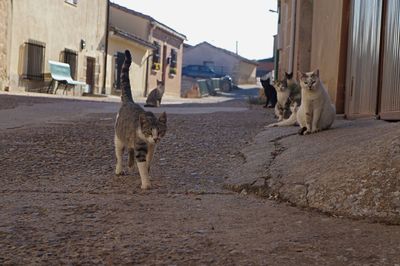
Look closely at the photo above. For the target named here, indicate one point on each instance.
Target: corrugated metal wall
(363, 57)
(390, 97)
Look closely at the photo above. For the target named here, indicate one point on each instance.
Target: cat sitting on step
(289, 99)
(282, 95)
(291, 121)
(155, 96)
(316, 112)
(136, 130)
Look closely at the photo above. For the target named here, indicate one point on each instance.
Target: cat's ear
(163, 118)
(300, 75)
(316, 73)
(289, 75)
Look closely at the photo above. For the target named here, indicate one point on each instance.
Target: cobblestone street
(62, 204)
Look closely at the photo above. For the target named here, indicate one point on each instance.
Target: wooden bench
(61, 72)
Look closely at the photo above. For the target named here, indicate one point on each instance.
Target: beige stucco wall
(285, 32)
(59, 25)
(303, 35)
(319, 42)
(137, 73)
(5, 7)
(326, 38)
(247, 73)
(128, 22)
(203, 52)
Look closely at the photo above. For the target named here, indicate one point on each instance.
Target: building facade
(265, 66)
(71, 31)
(5, 9)
(155, 47)
(354, 44)
(242, 70)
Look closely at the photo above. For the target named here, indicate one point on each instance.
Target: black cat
(270, 93)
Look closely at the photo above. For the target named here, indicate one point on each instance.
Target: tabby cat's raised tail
(126, 95)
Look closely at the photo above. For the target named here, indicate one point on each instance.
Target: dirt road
(61, 203)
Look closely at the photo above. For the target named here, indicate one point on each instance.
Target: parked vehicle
(199, 71)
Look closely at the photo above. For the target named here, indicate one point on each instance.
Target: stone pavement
(351, 170)
(74, 107)
(243, 92)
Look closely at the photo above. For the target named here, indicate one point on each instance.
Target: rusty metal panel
(363, 57)
(390, 96)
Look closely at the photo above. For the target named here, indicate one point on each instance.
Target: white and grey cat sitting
(316, 112)
(155, 96)
(291, 120)
(282, 95)
(136, 130)
(289, 100)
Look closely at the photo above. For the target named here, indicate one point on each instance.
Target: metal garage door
(363, 57)
(390, 94)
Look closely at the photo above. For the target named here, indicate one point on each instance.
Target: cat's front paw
(302, 130)
(316, 130)
(146, 186)
(119, 171)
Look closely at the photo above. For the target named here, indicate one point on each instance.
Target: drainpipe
(292, 36)
(103, 90)
(146, 85)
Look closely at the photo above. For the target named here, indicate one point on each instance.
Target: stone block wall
(4, 10)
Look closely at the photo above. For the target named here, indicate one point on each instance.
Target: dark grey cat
(155, 96)
(136, 130)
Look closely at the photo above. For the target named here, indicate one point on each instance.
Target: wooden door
(164, 64)
(90, 67)
(119, 61)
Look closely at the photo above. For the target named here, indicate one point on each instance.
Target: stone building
(5, 6)
(265, 66)
(354, 44)
(156, 50)
(242, 70)
(71, 31)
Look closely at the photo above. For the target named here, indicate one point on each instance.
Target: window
(156, 57)
(34, 60)
(72, 2)
(173, 63)
(71, 58)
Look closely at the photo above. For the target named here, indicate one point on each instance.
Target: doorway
(90, 67)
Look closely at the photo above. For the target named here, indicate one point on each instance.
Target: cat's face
(153, 129)
(279, 86)
(159, 83)
(309, 80)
